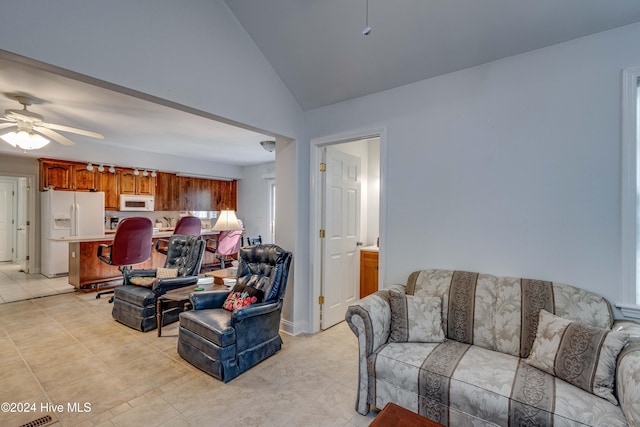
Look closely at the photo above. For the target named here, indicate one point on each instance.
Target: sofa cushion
(460, 384)
(580, 354)
(414, 318)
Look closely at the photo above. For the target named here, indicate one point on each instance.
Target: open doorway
(346, 212)
(14, 221)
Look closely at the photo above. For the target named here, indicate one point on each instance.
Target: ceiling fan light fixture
(136, 172)
(112, 169)
(145, 173)
(101, 168)
(153, 174)
(25, 140)
(89, 167)
(268, 145)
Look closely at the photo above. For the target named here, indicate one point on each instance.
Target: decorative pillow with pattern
(146, 282)
(166, 273)
(242, 296)
(414, 318)
(577, 353)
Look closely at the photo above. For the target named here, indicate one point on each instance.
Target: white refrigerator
(67, 214)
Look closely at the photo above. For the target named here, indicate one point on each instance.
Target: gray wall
(512, 167)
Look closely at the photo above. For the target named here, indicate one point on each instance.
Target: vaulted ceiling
(318, 49)
(319, 52)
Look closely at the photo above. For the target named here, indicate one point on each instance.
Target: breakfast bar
(88, 273)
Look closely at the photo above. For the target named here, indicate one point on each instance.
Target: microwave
(132, 202)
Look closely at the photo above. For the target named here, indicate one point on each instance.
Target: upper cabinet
(177, 193)
(108, 183)
(55, 175)
(172, 192)
(130, 183)
(82, 179)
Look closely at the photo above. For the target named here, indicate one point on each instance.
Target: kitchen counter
(372, 248)
(109, 236)
(88, 273)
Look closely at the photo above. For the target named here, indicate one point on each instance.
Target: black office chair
(131, 245)
(252, 241)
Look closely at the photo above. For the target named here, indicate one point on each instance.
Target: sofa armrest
(628, 382)
(370, 320)
(204, 300)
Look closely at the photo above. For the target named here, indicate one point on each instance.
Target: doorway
(17, 210)
(348, 215)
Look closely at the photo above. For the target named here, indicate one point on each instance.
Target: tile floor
(67, 350)
(16, 285)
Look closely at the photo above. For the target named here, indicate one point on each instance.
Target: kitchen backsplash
(166, 218)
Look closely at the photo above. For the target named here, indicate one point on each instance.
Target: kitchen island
(88, 273)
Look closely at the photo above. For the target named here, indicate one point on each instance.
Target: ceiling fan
(30, 124)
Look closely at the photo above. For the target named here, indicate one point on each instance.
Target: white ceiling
(125, 120)
(319, 52)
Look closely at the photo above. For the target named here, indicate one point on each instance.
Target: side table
(177, 298)
(218, 275)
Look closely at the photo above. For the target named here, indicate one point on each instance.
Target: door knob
(359, 243)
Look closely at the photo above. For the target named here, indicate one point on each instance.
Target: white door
(22, 248)
(342, 234)
(7, 192)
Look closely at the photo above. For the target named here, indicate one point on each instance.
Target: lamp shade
(227, 221)
(24, 140)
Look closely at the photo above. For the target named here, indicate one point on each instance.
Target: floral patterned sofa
(475, 349)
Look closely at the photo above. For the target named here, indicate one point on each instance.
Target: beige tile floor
(16, 285)
(67, 350)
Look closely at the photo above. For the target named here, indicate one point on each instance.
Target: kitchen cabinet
(55, 175)
(83, 179)
(368, 272)
(177, 193)
(172, 192)
(108, 183)
(130, 183)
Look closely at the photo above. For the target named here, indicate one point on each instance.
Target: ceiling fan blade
(72, 130)
(7, 125)
(53, 135)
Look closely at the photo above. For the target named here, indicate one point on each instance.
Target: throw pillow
(242, 296)
(414, 318)
(166, 273)
(577, 353)
(146, 282)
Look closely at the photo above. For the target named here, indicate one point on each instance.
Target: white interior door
(7, 192)
(342, 234)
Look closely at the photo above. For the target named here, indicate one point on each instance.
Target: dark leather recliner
(135, 305)
(226, 343)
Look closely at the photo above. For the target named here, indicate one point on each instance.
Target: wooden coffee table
(177, 298)
(396, 416)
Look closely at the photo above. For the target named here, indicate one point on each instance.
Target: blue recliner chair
(225, 343)
(135, 305)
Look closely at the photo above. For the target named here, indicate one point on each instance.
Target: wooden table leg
(159, 315)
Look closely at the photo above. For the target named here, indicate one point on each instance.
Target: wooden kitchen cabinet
(368, 272)
(108, 183)
(82, 179)
(130, 183)
(56, 175)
